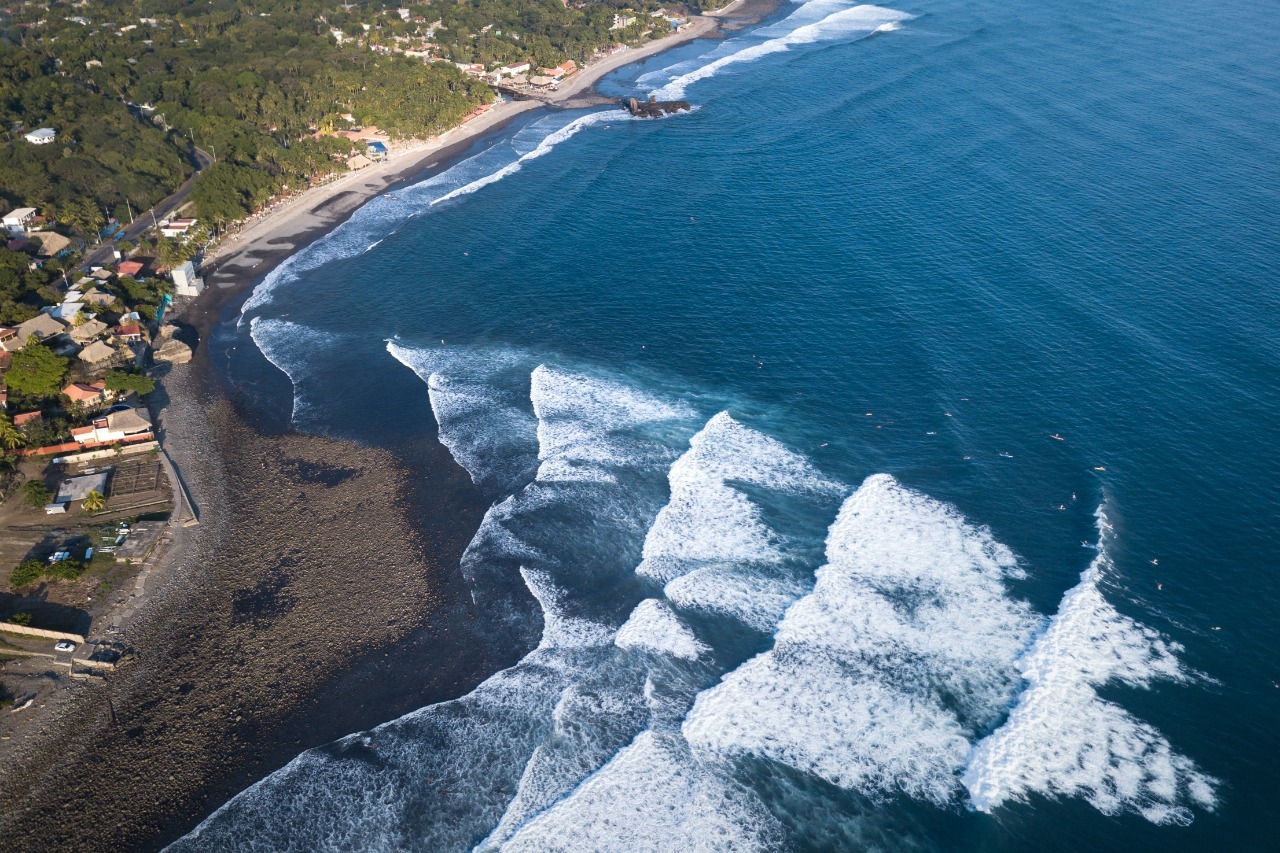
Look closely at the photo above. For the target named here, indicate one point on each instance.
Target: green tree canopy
(119, 380)
(36, 371)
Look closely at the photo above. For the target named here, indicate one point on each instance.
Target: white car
(65, 646)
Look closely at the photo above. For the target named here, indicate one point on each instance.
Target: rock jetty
(653, 108)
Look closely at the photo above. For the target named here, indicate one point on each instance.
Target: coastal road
(103, 254)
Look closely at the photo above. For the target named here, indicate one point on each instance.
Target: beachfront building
(124, 425)
(17, 221)
(185, 280)
(43, 136)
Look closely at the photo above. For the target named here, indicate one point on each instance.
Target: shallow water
(765, 398)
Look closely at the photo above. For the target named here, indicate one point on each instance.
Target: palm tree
(94, 501)
(10, 438)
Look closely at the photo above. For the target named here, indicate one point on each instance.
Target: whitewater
(903, 665)
(715, 515)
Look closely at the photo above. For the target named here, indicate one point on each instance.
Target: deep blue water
(897, 252)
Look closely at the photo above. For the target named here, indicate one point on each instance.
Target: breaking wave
(817, 21)
(1064, 740)
(697, 626)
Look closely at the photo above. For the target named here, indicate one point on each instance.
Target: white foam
(903, 650)
(654, 626)
(1063, 740)
(709, 520)
(653, 796)
(381, 216)
(745, 593)
(560, 631)
(291, 348)
(481, 414)
(587, 425)
(543, 148)
(842, 24)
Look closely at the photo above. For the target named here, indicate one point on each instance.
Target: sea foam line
(861, 21)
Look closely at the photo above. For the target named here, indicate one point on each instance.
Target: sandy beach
(320, 594)
(291, 224)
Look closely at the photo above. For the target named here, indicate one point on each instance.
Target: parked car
(65, 646)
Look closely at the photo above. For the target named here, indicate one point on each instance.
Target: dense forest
(132, 86)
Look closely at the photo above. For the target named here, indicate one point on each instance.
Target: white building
(117, 426)
(186, 282)
(43, 136)
(16, 222)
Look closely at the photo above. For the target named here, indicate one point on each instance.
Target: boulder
(173, 351)
(166, 331)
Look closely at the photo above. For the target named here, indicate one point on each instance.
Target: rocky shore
(320, 595)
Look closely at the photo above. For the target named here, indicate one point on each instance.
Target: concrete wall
(10, 628)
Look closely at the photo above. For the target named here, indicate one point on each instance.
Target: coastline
(224, 689)
(269, 238)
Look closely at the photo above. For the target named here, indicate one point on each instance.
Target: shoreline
(270, 238)
(222, 691)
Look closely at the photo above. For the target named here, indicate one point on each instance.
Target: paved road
(103, 254)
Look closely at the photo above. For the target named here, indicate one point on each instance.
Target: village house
(99, 297)
(88, 395)
(51, 243)
(68, 309)
(133, 269)
(43, 136)
(177, 227)
(97, 354)
(124, 425)
(17, 221)
(26, 418)
(129, 333)
(9, 339)
(86, 332)
(42, 326)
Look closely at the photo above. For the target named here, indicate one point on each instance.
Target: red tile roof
(129, 267)
(80, 392)
(26, 418)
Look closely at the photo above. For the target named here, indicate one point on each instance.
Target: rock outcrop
(172, 351)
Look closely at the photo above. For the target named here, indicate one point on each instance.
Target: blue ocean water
(882, 455)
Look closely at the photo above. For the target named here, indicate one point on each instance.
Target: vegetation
(20, 286)
(36, 371)
(22, 617)
(30, 571)
(36, 494)
(132, 87)
(27, 573)
(94, 501)
(10, 438)
(119, 380)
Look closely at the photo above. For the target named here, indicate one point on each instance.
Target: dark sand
(320, 595)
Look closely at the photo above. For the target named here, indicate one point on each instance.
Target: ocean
(881, 455)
